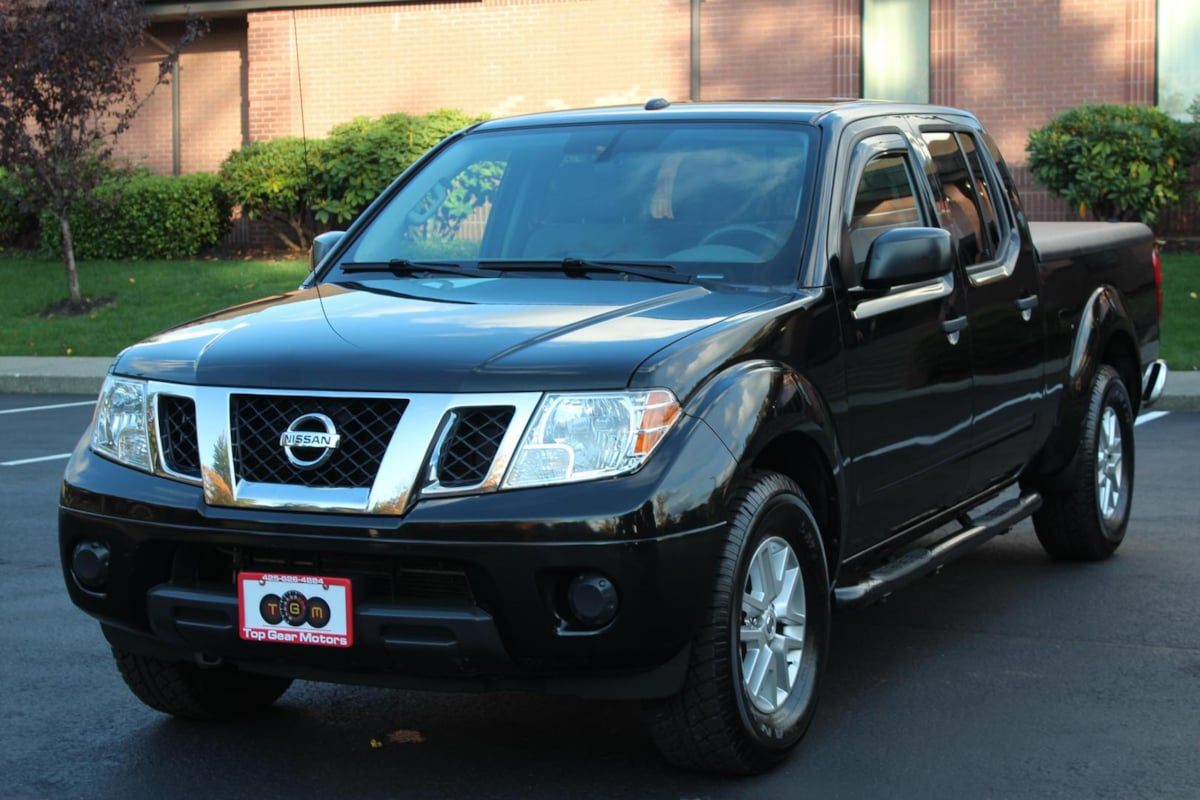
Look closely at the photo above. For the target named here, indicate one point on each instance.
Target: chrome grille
(471, 445)
(365, 425)
(177, 432)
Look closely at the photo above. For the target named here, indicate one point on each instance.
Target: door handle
(954, 328)
(1026, 305)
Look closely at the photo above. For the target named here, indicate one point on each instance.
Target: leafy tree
(1120, 162)
(68, 89)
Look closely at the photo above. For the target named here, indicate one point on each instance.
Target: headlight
(121, 427)
(578, 437)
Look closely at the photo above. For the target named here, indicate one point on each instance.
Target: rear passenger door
(908, 378)
(1005, 318)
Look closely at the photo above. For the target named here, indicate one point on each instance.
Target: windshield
(719, 201)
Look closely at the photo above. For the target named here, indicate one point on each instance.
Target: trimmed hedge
(1121, 162)
(361, 157)
(271, 182)
(142, 215)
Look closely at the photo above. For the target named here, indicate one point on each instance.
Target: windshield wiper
(402, 266)
(579, 266)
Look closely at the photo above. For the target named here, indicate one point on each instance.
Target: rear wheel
(1085, 513)
(751, 687)
(186, 690)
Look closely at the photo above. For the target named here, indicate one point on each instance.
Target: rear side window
(979, 175)
(1009, 185)
(957, 199)
(883, 200)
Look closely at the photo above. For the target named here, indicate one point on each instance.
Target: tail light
(1156, 260)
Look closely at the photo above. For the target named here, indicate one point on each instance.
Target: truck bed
(1059, 240)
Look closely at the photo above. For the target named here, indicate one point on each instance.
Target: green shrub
(270, 181)
(16, 223)
(141, 215)
(1117, 161)
(361, 157)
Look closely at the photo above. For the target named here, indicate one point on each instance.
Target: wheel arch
(772, 417)
(1105, 334)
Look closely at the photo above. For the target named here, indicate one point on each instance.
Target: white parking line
(21, 461)
(47, 408)
(1150, 416)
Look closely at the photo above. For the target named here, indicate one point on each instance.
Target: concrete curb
(68, 375)
(52, 375)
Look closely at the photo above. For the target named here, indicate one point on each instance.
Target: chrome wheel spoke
(1110, 470)
(771, 632)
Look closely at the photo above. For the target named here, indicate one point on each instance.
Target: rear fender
(1104, 317)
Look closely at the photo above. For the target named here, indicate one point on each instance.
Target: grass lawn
(150, 296)
(1181, 311)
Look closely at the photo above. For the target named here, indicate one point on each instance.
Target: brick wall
(213, 113)
(1019, 63)
(498, 57)
(1015, 63)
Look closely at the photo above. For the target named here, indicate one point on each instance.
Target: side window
(883, 200)
(979, 174)
(957, 200)
(1009, 185)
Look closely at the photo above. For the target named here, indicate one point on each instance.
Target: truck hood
(438, 335)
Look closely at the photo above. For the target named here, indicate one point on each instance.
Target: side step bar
(911, 565)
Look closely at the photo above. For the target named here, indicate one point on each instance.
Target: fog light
(89, 564)
(593, 599)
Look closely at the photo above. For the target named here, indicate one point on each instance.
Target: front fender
(760, 404)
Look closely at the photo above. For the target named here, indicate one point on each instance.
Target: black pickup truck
(619, 403)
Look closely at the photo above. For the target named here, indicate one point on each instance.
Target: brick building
(269, 69)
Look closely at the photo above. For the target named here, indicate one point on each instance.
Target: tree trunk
(68, 251)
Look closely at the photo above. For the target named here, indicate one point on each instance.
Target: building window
(1178, 56)
(895, 50)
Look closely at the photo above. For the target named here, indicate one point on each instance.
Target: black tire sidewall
(781, 729)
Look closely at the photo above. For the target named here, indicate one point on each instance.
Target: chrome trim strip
(903, 298)
(998, 270)
(403, 473)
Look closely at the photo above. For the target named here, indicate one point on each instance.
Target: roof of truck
(802, 111)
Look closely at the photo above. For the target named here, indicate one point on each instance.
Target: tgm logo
(310, 440)
(295, 609)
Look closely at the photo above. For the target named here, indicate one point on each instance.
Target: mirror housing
(321, 245)
(908, 255)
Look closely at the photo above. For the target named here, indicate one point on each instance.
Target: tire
(186, 690)
(714, 724)
(1071, 524)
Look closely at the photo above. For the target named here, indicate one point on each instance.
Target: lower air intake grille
(471, 445)
(365, 427)
(177, 429)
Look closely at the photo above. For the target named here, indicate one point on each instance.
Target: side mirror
(321, 245)
(908, 255)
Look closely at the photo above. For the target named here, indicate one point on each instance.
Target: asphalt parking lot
(1006, 675)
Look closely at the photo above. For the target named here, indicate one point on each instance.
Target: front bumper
(497, 621)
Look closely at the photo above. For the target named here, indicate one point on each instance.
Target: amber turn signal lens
(658, 415)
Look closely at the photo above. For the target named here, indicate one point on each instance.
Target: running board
(908, 567)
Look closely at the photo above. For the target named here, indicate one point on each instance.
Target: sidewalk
(65, 375)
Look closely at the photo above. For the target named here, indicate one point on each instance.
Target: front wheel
(1084, 517)
(756, 663)
(186, 690)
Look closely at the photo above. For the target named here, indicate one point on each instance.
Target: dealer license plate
(294, 609)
